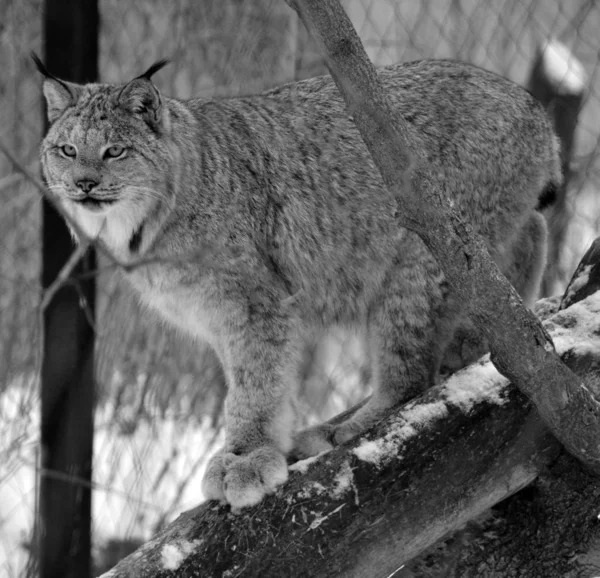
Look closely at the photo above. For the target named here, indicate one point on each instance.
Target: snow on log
(369, 506)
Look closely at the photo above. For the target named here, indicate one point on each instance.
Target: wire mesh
(159, 397)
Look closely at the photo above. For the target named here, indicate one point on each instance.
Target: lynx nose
(86, 185)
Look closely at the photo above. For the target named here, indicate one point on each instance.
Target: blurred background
(158, 397)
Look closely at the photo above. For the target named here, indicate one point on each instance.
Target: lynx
(260, 222)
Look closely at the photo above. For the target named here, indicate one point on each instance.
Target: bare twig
(64, 274)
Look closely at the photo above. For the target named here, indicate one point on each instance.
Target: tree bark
(67, 377)
(520, 348)
(550, 529)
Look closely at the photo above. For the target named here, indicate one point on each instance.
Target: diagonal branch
(521, 348)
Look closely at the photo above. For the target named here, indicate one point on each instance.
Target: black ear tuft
(59, 94)
(40, 65)
(42, 68)
(154, 68)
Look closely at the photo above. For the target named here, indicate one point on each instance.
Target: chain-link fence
(159, 397)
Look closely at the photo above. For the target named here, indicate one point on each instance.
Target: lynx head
(106, 152)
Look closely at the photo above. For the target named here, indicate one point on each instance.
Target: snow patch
(474, 384)
(420, 414)
(463, 390)
(343, 481)
(410, 420)
(373, 451)
(172, 555)
(562, 68)
(576, 329)
(312, 489)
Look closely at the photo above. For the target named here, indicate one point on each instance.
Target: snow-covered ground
(144, 476)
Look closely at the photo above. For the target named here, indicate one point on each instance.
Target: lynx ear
(59, 94)
(141, 98)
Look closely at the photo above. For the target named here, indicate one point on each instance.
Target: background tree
(64, 533)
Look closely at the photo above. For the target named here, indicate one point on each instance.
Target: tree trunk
(71, 53)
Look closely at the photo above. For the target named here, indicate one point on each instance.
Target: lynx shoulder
(261, 222)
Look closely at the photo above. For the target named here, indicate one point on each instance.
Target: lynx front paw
(244, 480)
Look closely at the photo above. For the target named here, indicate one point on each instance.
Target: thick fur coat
(261, 222)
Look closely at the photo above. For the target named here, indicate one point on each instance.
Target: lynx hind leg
(411, 328)
(354, 351)
(527, 259)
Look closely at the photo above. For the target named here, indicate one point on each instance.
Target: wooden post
(71, 53)
(558, 81)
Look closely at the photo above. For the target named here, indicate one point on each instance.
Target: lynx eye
(114, 152)
(68, 151)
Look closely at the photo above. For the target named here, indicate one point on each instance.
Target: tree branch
(520, 347)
